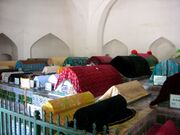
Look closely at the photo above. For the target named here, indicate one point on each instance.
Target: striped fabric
(166, 68)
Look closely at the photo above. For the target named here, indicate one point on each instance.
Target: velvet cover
(98, 60)
(96, 79)
(107, 112)
(131, 66)
(170, 86)
(75, 61)
(151, 59)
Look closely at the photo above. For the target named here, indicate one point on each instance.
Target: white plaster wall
(24, 22)
(11, 22)
(47, 16)
(115, 48)
(7, 48)
(98, 12)
(138, 23)
(76, 22)
(79, 14)
(84, 26)
(5, 57)
(49, 46)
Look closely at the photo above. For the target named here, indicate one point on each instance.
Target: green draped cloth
(75, 61)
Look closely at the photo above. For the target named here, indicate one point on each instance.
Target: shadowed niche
(49, 46)
(8, 49)
(162, 48)
(115, 48)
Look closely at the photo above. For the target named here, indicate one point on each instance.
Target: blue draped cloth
(166, 68)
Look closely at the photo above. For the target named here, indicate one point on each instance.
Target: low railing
(16, 120)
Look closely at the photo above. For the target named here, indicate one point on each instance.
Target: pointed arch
(4, 56)
(8, 49)
(162, 48)
(48, 46)
(96, 28)
(115, 48)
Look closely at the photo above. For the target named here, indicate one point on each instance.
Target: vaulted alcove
(115, 48)
(5, 57)
(8, 49)
(48, 46)
(162, 48)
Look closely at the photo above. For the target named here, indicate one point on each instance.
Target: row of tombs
(115, 92)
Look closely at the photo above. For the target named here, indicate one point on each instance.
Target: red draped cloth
(98, 60)
(96, 79)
